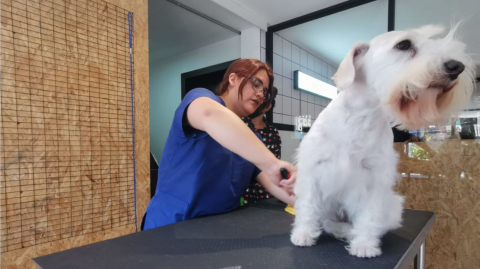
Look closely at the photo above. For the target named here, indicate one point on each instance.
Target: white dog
(346, 164)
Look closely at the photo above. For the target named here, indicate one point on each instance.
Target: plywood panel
(67, 163)
(444, 177)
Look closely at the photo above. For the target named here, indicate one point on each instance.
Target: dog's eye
(404, 45)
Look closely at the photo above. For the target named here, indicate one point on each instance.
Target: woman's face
(251, 98)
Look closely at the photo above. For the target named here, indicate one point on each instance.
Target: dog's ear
(346, 71)
(430, 30)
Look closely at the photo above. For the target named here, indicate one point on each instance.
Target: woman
(210, 155)
(257, 122)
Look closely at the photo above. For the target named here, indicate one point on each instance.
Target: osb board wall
(66, 162)
(446, 181)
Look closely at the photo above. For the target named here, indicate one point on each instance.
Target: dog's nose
(453, 69)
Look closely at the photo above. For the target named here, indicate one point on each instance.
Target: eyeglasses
(258, 88)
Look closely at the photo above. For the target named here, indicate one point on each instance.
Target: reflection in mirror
(316, 48)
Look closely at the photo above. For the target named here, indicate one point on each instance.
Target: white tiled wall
(287, 58)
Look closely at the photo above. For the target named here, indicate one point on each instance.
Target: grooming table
(257, 236)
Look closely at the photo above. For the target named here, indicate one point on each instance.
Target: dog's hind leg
(374, 216)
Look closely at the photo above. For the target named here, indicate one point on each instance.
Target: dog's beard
(417, 107)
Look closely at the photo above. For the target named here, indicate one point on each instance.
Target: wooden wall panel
(444, 177)
(66, 135)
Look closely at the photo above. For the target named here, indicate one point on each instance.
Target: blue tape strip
(130, 37)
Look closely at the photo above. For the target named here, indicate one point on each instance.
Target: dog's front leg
(308, 217)
(366, 233)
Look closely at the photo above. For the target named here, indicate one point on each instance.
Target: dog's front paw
(302, 238)
(364, 250)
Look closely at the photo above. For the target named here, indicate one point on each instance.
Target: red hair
(245, 68)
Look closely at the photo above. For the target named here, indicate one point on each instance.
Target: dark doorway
(208, 77)
(153, 175)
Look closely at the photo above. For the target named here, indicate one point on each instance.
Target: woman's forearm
(230, 131)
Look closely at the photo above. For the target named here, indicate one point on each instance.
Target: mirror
(316, 48)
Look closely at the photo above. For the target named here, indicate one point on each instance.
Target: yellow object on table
(290, 209)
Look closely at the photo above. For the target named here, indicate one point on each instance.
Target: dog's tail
(341, 230)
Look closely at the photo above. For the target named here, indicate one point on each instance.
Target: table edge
(409, 255)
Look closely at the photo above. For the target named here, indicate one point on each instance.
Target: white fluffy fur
(346, 163)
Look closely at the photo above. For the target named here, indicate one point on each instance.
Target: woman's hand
(277, 191)
(288, 185)
(275, 175)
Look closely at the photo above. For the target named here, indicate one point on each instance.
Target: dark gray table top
(257, 236)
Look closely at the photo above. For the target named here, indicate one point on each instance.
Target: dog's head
(421, 80)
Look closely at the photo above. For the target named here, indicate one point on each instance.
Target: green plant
(419, 153)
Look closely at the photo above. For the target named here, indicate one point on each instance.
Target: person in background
(258, 123)
(403, 136)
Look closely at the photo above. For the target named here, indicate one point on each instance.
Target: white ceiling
(277, 11)
(215, 11)
(174, 30)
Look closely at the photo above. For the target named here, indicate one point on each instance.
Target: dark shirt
(400, 135)
(271, 139)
